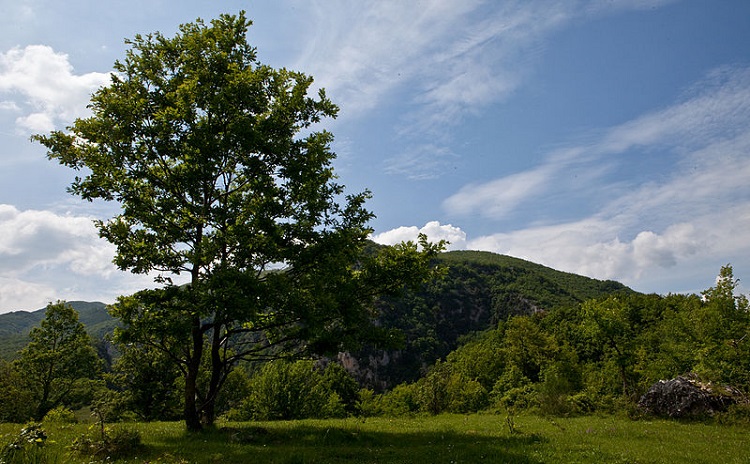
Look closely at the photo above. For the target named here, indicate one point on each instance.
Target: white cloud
(433, 230)
(42, 83)
(649, 261)
(17, 12)
(425, 161)
(18, 294)
(366, 51)
(46, 256)
(716, 107)
(32, 239)
(684, 253)
(9, 106)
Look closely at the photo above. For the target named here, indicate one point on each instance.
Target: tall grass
(439, 439)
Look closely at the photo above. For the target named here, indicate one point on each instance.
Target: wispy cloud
(456, 59)
(422, 161)
(42, 85)
(699, 132)
(498, 197)
(15, 12)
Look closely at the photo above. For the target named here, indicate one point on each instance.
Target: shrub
(736, 414)
(368, 404)
(553, 392)
(112, 443)
(285, 390)
(60, 415)
(403, 399)
(465, 395)
(518, 398)
(16, 400)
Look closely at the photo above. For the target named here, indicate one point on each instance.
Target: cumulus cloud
(648, 261)
(46, 256)
(19, 294)
(433, 230)
(42, 85)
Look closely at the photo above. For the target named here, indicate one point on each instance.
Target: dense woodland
(493, 334)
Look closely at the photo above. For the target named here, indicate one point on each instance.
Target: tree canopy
(222, 177)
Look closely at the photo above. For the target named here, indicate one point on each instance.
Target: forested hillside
(479, 290)
(603, 354)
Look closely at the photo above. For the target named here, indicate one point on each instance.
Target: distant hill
(15, 326)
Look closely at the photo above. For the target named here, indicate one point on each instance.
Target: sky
(608, 138)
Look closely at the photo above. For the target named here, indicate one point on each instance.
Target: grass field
(440, 439)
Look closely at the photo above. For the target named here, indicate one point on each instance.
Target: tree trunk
(192, 413)
(217, 377)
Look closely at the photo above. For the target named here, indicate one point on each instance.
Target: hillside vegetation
(496, 334)
(479, 290)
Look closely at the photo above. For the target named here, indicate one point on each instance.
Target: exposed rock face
(685, 397)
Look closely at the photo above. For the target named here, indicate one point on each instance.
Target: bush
(112, 443)
(518, 398)
(553, 392)
(403, 399)
(60, 415)
(16, 400)
(736, 414)
(465, 396)
(285, 390)
(337, 379)
(368, 404)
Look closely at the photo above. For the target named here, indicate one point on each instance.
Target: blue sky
(605, 138)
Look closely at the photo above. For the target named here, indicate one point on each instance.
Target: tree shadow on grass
(320, 444)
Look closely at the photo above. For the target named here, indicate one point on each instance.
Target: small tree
(722, 332)
(16, 401)
(59, 360)
(612, 327)
(221, 177)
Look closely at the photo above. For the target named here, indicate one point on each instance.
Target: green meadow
(421, 439)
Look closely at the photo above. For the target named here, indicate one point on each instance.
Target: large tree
(59, 360)
(221, 176)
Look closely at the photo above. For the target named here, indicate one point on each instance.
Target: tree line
(597, 356)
